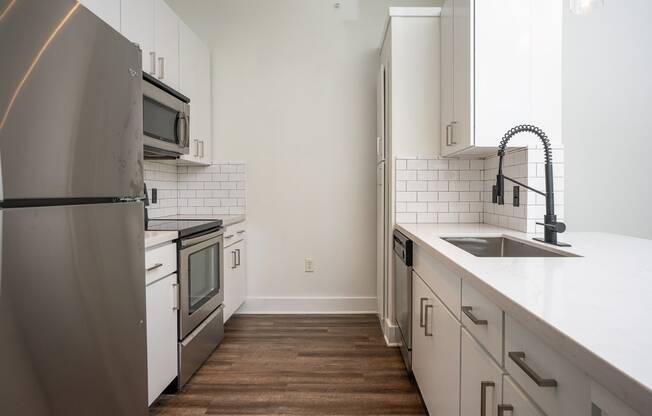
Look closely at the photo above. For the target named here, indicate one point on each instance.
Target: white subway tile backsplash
(417, 164)
(218, 189)
(460, 190)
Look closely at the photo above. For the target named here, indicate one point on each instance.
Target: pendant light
(585, 6)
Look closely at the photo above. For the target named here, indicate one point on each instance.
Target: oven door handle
(192, 241)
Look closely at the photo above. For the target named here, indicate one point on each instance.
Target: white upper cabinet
(166, 44)
(501, 67)
(107, 10)
(195, 82)
(138, 27)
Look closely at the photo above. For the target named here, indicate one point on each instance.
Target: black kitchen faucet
(551, 226)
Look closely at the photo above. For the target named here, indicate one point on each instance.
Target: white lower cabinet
(161, 300)
(435, 351)
(482, 380)
(515, 402)
(235, 270)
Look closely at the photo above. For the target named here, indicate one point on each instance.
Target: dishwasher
(403, 294)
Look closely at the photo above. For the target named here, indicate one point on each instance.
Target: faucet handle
(557, 226)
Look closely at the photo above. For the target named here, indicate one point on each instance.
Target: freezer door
(70, 104)
(72, 311)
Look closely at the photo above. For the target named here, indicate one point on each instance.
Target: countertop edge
(155, 238)
(623, 386)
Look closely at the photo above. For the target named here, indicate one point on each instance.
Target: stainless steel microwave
(166, 120)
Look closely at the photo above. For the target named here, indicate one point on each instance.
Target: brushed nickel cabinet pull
(453, 142)
(152, 63)
(483, 396)
(425, 328)
(196, 148)
(505, 407)
(467, 311)
(154, 267)
(519, 358)
(161, 67)
(237, 251)
(421, 324)
(175, 306)
(449, 127)
(233, 260)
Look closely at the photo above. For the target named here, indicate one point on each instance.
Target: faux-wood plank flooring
(298, 365)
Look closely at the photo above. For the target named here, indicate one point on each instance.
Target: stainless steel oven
(166, 120)
(201, 279)
(201, 293)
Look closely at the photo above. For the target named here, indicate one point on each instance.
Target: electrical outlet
(309, 266)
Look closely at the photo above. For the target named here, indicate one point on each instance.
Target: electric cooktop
(185, 227)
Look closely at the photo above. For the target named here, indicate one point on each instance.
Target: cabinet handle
(229, 236)
(240, 231)
(421, 324)
(202, 149)
(425, 329)
(154, 267)
(453, 142)
(467, 311)
(152, 63)
(237, 250)
(196, 148)
(233, 260)
(503, 407)
(175, 297)
(161, 67)
(483, 396)
(519, 358)
(448, 135)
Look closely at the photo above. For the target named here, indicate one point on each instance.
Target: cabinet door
(447, 70)
(230, 276)
(240, 287)
(462, 130)
(195, 82)
(482, 380)
(138, 27)
(513, 397)
(435, 351)
(161, 335)
(107, 10)
(166, 43)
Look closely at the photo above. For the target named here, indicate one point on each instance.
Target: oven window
(159, 121)
(203, 277)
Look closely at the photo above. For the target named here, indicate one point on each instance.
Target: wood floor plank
(298, 365)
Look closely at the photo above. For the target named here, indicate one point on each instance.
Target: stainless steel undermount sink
(502, 247)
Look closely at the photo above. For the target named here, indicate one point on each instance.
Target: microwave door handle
(187, 131)
(177, 134)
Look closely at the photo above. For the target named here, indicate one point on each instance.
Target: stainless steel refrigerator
(72, 289)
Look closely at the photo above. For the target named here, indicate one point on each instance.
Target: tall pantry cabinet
(407, 123)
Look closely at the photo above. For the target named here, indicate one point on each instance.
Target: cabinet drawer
(234, 233)
(160, 262)
(515, 399)
(484, 320)
(446, 284)
(552, 381)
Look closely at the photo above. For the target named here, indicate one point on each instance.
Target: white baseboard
(392, 336)
(308, 305)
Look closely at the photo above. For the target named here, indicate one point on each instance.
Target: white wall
(607, 122)
(294, 97)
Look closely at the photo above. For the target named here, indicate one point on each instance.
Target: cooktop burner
(185, 227)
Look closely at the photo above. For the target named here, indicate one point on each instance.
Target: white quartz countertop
(154, 238)
(226, 219)
(595, 309)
